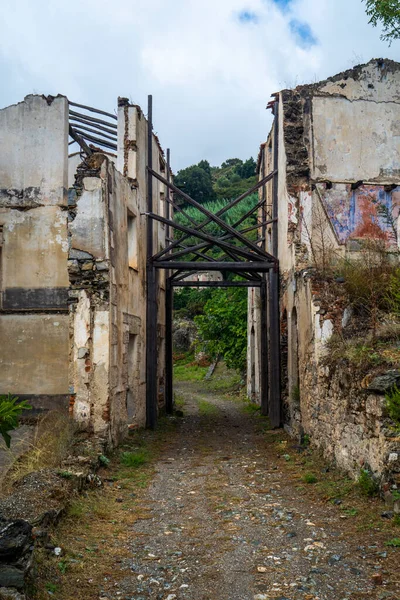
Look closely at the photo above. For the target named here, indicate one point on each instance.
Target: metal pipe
(100, 127)
(79, 128)
(95, 110)
(93, 119)
(99, 141)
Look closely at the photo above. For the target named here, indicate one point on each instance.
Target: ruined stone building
(338, 144)
(73, 264)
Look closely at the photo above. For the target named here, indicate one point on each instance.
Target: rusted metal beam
(99, 141)
(217, 284)
(223, 209)
(93, 119)
(169, 395)
(214, 241)
(189, 249)
(225, 237)
(82, 130)
(76, 121)
(274, 411)
(212, 217)
(79, 140)
(245, 266)
(95, 110)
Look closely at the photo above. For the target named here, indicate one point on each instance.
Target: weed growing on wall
(10, 412)
(393, 404)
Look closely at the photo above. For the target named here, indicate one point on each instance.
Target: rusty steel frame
(250, 261)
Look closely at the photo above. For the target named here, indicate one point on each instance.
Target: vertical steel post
(274, 325)
(169, 299)
(264, 367)
(151, 287)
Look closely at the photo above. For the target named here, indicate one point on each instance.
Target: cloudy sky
(211, 65)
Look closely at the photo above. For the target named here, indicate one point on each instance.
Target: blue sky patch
(302, 33)
(246, 16)
(283, 4)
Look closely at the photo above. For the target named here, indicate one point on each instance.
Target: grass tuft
(135, 459)
(309, 478)
(367, 483)
(207, 408)
(52, 442)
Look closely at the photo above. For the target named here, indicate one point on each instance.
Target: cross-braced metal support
(247, 259)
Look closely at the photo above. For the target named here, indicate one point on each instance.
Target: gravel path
(227, 523)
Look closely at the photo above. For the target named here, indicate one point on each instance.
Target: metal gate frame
(252, 262)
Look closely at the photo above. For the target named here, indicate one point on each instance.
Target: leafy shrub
(367, 483)
(10, 411)
(223, 327)
(393, 404)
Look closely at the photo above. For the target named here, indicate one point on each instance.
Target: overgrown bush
(370, 281)
(10, 412)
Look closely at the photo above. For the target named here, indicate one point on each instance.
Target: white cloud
(210, 74)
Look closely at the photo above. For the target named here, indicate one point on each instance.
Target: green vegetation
(65, 474)
(309, 478)
(393, 404)
(189, 372)
(196, 182)
(393, 543)
(367, 483)
(205, 183)
(231, 217)
(296, 394)
(207, 409)
(387, 14)
(10, 412)
(190, 302)
(223, 327)
(135, 459)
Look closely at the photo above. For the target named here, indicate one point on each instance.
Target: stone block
(384, 383)
(79, 254)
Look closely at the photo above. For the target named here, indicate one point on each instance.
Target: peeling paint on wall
(362, 213)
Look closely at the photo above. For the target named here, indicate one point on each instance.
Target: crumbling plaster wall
(108, 270)
(73, 267)
(338, 160)
(342, 151)
(33, 251)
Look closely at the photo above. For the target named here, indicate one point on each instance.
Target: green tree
(223, 326)
(247, 169)
(386, 13)
(196, 182)
(205, 165)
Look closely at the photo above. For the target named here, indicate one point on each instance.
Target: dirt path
(229, 520)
